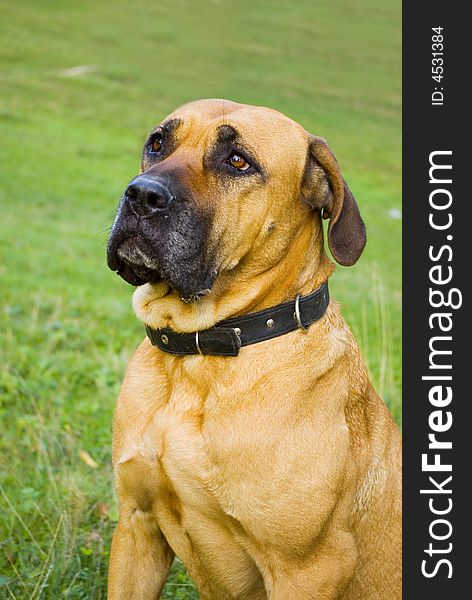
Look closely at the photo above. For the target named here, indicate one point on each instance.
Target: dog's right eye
(155, 143)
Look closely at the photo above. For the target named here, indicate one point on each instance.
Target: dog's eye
(238, 162)
(156, 143)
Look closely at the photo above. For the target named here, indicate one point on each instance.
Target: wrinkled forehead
(270, 135)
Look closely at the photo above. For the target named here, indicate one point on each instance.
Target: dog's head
(224, 184)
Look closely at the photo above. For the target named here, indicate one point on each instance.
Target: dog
(267, 463)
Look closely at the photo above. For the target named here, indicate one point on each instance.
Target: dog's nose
(148, 196)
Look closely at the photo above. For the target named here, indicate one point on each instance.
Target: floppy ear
(324, 188)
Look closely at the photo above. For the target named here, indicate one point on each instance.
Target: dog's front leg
(140, 558)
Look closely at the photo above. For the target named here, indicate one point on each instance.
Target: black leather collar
(227, 337)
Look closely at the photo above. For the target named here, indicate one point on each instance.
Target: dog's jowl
(247, 438)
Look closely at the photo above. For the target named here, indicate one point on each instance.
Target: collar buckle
(197, 344)
(297, 315)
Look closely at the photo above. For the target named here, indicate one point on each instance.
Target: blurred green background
(81, 85)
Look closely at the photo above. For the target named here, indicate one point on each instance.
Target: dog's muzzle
(160, 234)
(129, 249)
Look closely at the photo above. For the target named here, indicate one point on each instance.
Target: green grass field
(69, 144)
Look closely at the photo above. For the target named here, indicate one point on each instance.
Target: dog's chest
(229, 470)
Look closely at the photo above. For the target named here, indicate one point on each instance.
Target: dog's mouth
(134, 264)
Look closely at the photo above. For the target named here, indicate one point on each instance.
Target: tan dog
(274, 474)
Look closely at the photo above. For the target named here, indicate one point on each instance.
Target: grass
(69, 145)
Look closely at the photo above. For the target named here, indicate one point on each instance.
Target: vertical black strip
(443, 127)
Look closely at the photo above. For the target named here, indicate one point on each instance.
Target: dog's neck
(236, 294)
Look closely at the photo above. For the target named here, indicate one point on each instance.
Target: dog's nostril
(132, 192)
(158, 200)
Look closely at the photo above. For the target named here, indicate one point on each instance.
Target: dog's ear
(324, 188)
